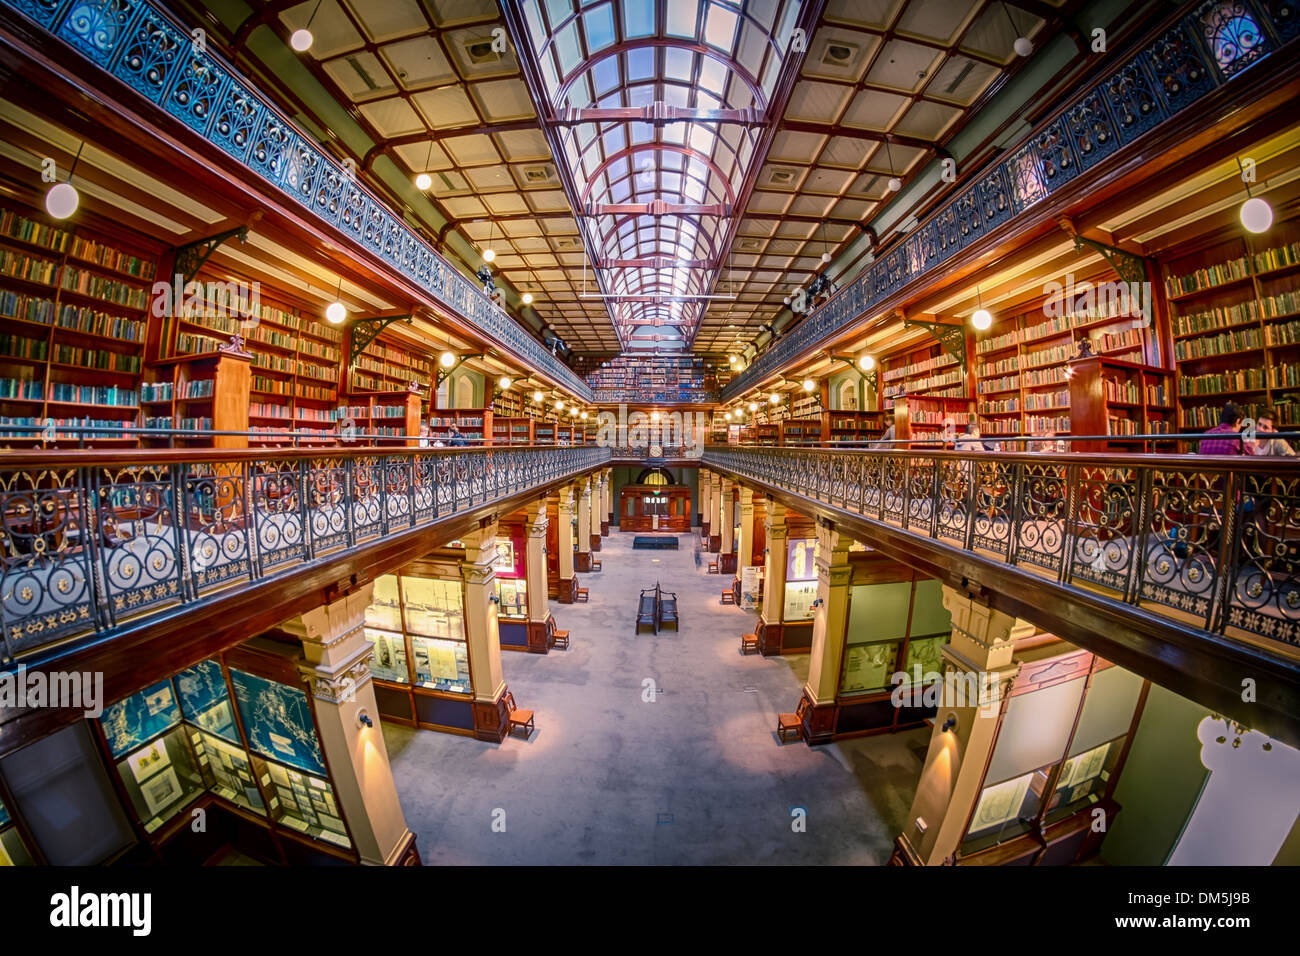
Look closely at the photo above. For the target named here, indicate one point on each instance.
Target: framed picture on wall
(800, 562)
(505, 559)
(161, 791)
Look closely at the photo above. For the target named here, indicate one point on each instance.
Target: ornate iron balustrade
(1209, 543)
(1210, 44)
(145, 48)
(91, 541)
(649, 396)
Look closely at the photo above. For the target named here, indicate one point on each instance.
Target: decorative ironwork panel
(1181, 552)
(47, 577)
(236, 120)
(325, 486)
(1284, 16)
(218, 529)
(149, 60)
(95, 28)
(278, 512)
(137, 536)
(994, 515)
(1104, 527)
(1230, 30)
(1091, 130)
(196, 92)
(44, 12)
(272, 148)
(1263, 594)
(1179, 69)
(1040, 519)
(366, 501)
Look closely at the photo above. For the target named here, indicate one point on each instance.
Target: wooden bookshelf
(74, 308)
(1022, 362)
(475, 424)
(1113, 397)
(852, 426)
(1234, 307)
(384, 366)
(926, 370)
(922, 419)
(802, 431)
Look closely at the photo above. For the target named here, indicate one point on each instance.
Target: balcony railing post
(1070, 533)
(1141, 538)
(1230, 552)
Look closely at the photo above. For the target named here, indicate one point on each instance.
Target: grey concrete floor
(694, 776)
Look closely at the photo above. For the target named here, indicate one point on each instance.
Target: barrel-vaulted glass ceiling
(661, 107)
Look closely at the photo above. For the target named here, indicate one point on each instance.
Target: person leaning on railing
(1269, 447)
(1229, 424)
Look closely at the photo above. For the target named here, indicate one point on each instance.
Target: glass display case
(513, 595)
(1006, 809)
(389, 662)
(277, 721)
(800, 580)
(441, 664)
(149, 748)
(227, 770)
(205, 700)
(385, 611)
(302, 802)
(433, 607)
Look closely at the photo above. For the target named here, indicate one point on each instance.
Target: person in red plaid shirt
(1229, 424)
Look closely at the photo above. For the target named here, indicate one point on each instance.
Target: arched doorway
(655, 501)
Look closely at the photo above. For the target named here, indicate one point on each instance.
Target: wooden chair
(787, 724)
(595, 565)
(728, 596)
(748, 643)
(560, 638)
(713, 567)
(582, 596)
(518, 718)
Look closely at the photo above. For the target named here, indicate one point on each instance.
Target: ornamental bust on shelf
(1085, 348)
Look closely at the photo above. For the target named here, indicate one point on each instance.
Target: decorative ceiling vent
(538, 175)
(781, 177)
(750, 243)
(479, 50)
(840, 55)
(361, 72)
(566, 242)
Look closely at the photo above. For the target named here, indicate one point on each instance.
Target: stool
(748, 643)
(560, 639)
(728, 596)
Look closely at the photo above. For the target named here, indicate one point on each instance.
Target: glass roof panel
(720, 27)
(638, 19)
(681, 19)
(598, 23)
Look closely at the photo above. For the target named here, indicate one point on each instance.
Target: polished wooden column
(336, 666)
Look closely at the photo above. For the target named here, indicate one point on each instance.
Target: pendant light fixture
(1256, 213)
(826, 252)
(894, 184)
(489, 254)
(423, 181)
(527, 298)
(62, 199)
(336, 312)
(301, 40)
(866, 362)
(981, 318)
(1023, 45)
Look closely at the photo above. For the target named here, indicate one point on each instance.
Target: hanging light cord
(76, 159)
(1007, 10)
(313, 15)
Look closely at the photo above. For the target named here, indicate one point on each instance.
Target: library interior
(649, 432)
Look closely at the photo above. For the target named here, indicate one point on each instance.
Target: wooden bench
(647, 609)
(522, 719)
(728, 596)
(667, 608)
(748, 643)
(787, 724)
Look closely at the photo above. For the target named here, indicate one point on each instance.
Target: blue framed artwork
(205, 701)
(277, 719)
(4, 816)
(140, 717)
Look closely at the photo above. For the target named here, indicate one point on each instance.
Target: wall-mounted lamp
(494, 599)
(363, 719)
(818, 602)
(950, 723)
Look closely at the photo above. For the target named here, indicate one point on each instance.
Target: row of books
(1207, 416)
(83, 319)
(1217, 317)
(99, 359)
(1221, 344)
(1287, 333)
(93, 394)
(995, 407)
(1056, 355)
(1034, 378)
(1035, 424)
(917, 368)
(1002, 384)
(468, 421)
(1280, 303)
(1207, 277)
(19, 265)
(1108, 341)
(24, 388)
(1284, 376)
(1040, 400)
(268, 410)
(112, 258)
(156, 391)
(196, 388)
(19, 346)
(97, 286)
(32, 231)
(1232, 380)
(1278, 257)
(925, 384)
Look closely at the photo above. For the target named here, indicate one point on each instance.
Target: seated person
(1229, 424)
(886, 441)
(1265, 446)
